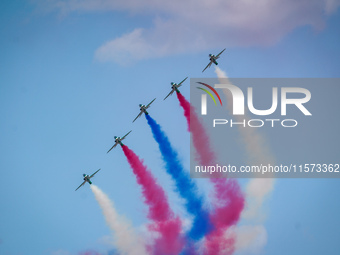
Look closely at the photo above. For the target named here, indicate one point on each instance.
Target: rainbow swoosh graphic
(209, 93)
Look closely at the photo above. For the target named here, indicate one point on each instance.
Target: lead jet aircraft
(118, 140)
(213, 59)
(87, 179)
(175, 87)
(143, 109)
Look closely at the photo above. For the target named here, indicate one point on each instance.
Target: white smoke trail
(126, 240)
(258, 152)
(258, 188)
(249, 239)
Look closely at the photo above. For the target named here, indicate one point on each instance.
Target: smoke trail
(126, 239)
(229, 201)
(186, 107)
(200, 138)
(185, 186)
(164, 220)
(258, 188)
(250, 239)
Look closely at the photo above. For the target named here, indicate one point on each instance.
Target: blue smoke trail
(185, 186)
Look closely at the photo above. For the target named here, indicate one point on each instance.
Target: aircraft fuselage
(175, 87)
(87, 178)
(143, 109)
(213, 59)
(119, 140)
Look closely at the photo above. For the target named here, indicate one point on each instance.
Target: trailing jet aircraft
(175, 87)
(213, 59)
(87, 179)
(143, 109)
(118, 140)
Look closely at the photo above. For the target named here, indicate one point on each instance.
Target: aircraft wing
(126, 135)
(218, 55)
(172, 91)
(94, 173)
(180, 84)
(150, 103)
(81, 185)
(141, 112)
(112, 147)
(207, 66)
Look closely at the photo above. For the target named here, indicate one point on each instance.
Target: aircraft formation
(142, 108)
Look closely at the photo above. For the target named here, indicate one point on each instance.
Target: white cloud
(123, 49)
(195, 25)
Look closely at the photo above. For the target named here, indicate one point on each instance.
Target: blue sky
(72, 74)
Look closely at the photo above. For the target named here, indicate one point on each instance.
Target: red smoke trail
(186, 106)
(164, 220)
(226, 214)
(229, 200)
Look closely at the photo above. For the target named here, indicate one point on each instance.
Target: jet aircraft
(118, 140)
(213, 59)
(175, 87)
(87, 179)
(143, 109)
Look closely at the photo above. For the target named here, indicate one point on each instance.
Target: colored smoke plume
(185, 186)
(229, 201)
(126, 240)
(163, 219)
(258, 153)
